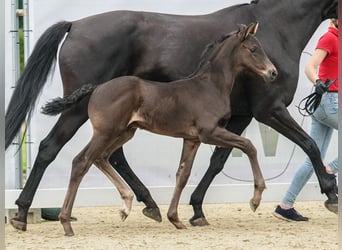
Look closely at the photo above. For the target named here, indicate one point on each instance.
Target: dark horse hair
(207, 52)
(39, 65)
(58, 104)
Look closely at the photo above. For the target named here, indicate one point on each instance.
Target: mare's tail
(33, 78)
(59, 104)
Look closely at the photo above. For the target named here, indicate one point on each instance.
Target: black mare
(156, 47)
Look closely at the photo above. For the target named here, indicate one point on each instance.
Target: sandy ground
(232, 226)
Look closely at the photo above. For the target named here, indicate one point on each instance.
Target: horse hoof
(123, 215)
(199, 222)
(69, 234)
(179, 225)
(18, 224)
(332, 206)
(253, 205)
(152, 213)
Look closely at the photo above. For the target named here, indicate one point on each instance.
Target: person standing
(321, 70)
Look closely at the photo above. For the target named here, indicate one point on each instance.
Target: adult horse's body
(196, 109)
(167, 47)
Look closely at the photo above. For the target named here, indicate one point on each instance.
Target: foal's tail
(58, 105)
(33, 78)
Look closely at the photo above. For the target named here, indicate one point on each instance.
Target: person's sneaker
(289, 214)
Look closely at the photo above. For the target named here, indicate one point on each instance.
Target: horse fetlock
(66, 226)
(174, 219)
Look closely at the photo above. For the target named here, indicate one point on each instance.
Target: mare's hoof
(18, 224)
(152, 213)
(332, 206)
(199, 222)
(253, 205)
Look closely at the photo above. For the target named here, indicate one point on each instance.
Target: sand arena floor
(232, 226)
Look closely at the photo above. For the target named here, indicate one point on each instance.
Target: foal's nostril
(273, 74)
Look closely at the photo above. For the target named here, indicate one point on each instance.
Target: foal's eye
(253, 49)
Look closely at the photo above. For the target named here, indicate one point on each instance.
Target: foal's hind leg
(80, 166)
(125, 192)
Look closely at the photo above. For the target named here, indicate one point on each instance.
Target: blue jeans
(324, 121)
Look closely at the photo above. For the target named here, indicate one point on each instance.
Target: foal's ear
(250, 29)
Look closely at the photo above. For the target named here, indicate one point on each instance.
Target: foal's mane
(209, 50)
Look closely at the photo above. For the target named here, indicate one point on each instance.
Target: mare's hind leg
(66, 126)
(183, 173)
(125, 192)
(236, 125)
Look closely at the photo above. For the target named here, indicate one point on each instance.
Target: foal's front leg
(188, 155)
(125, 192)
(224, 138)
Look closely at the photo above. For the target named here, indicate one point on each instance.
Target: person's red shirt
(328, 68)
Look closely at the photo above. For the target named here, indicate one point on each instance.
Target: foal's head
(245, 52)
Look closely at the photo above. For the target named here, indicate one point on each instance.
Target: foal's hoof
(152, 213)
(199, 222)
(18, 224)
(179, 225)
(69, 234)
(253, 205)
(332, 206)
(123, 214)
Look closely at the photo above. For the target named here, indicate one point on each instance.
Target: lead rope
(312, 101)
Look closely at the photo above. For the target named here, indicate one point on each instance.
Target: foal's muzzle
(272, 74)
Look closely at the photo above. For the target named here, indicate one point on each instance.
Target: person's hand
(321, 87)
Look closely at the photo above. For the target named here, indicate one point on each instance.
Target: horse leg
(188, 154)
(97, 149)
(224, 138)
(118, 161)
(80, 166)
(281, 120)
(104, 165)
(236, 125)
(66, 126)
(125, 192)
